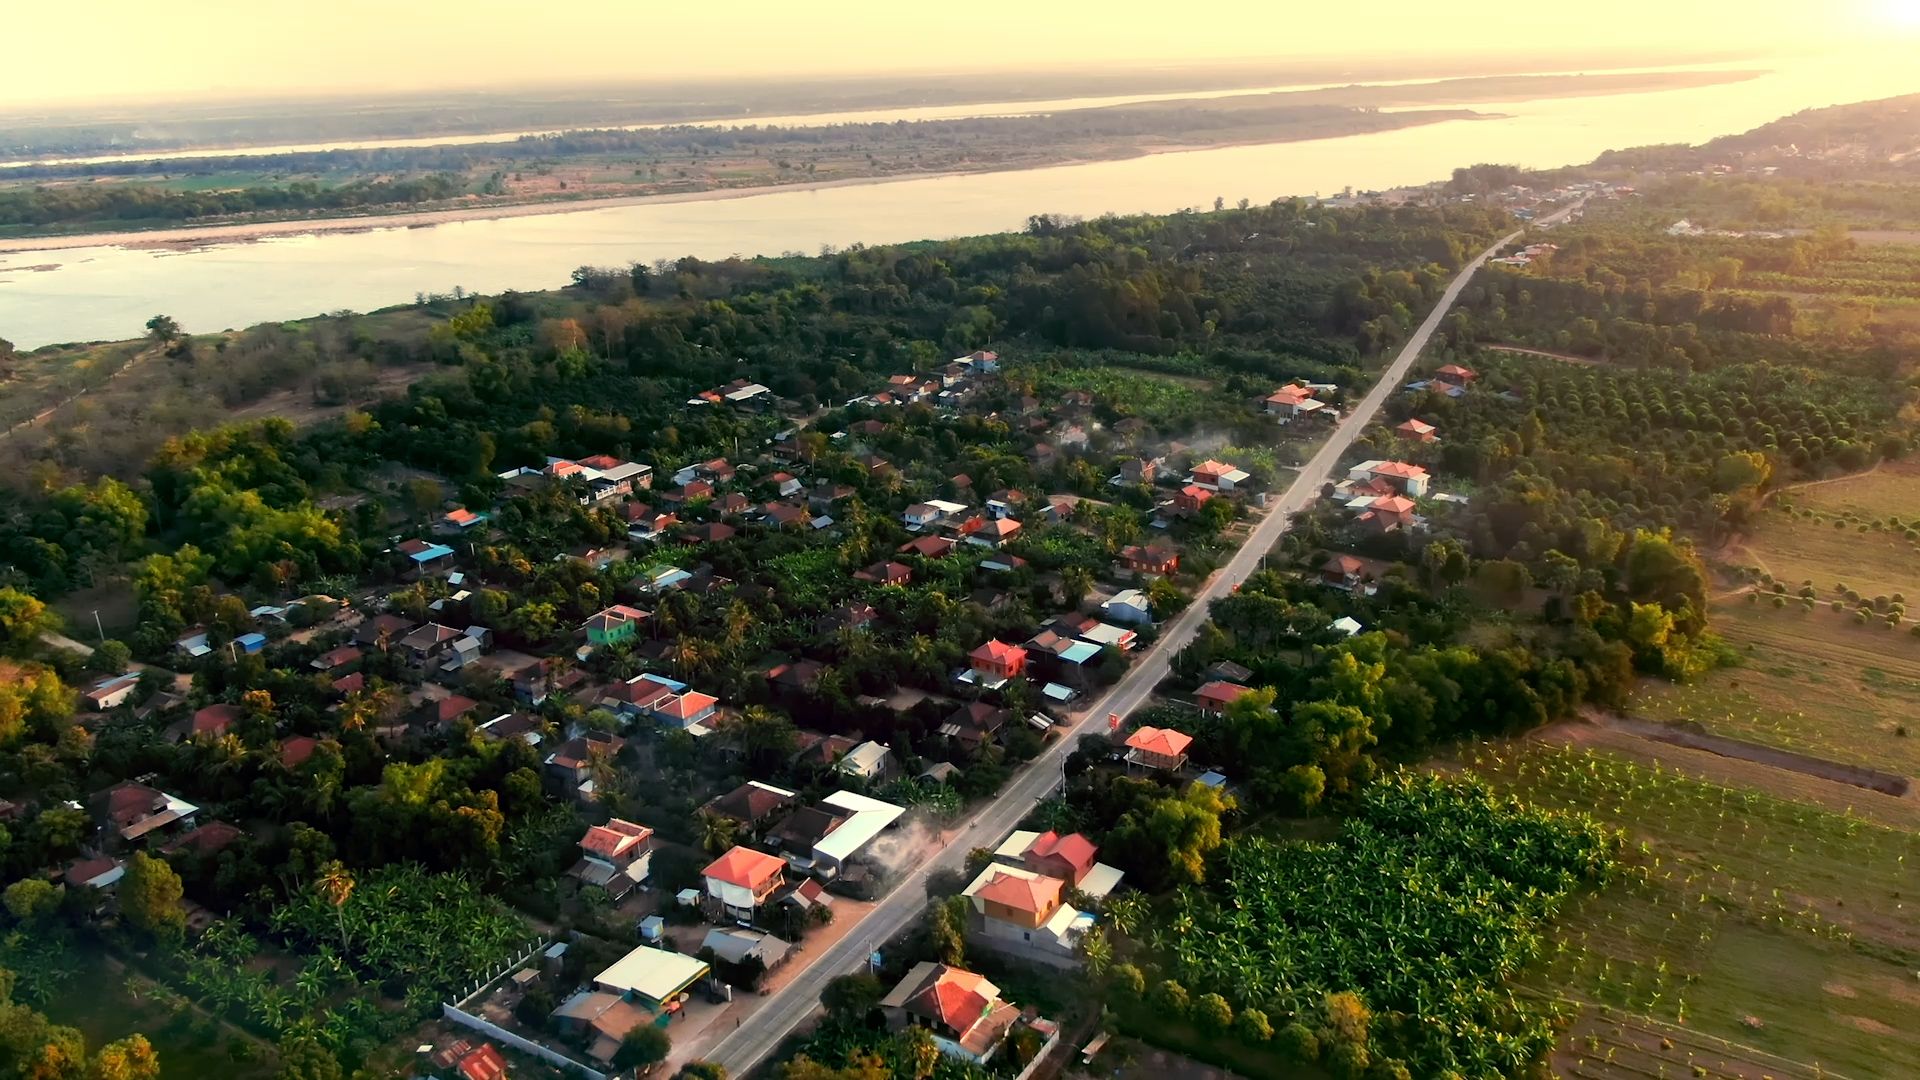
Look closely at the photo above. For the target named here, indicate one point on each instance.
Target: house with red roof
(1219, 476)
(616, 856)
(1155, 558)
(990, 532)
(687, 711)
(752, 805)
(1385, 513)
(214, 721)
(961, 1010)
(296, 749)
(1071, 857)
(132, 811)
(482, 1063)
(995, 661)
(1214, 697)
(743, 879)
(1025, 913)
(1416, 430)
(927, 547)
(1293, 401)
(336, 660)
(1191, 498)
(459, 520)
(1456, 375)
(1402, 478)
(1347, 572)
(886, 573)
(1158, 748)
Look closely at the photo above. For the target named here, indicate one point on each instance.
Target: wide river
(94, 293)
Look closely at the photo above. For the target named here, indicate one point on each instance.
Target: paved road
(748, 1046)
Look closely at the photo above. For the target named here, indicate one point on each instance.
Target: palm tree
(1097, 951)
(1127, 912)
(335, 885)
(716, 833)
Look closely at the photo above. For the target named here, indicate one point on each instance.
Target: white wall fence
(1046, 1048)
(454, 1014)
(484, 984)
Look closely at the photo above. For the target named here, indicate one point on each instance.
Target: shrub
(1212, 1013)
(1253, 1026)
(1128, 980)
(1171, 996)
(1298, 1042)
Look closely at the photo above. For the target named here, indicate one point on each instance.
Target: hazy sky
(135, 49)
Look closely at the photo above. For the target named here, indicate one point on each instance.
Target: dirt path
(1565, 358)
(1694, 736)
(1780, 783)
(132, 362)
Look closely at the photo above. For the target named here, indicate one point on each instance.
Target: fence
(454, 1014)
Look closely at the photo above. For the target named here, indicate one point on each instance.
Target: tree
(149, 897)
(335, 886)
(644, 1046)
(851, 997)
(702, 1070)
(919, 1053)
(717, 832)
(131, 1058)
(950, 930)
(163, 329)
(1097, 951)
(23, 618)
(112, 657)
(303, 1058)
(31, 899)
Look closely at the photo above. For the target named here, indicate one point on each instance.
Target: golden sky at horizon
(105, 50)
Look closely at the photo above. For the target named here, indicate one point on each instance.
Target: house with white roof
(1129, 607)
(653, 977)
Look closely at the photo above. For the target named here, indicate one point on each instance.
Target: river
(109, 292)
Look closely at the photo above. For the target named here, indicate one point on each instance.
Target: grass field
(1809, 681)
(1816, 681)
(1764, 928)
(1872, 563)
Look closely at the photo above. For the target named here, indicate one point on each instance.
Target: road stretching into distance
(784, 1010)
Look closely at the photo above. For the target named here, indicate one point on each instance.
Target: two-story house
(615, 856)
(740, 881)
(1026, 913)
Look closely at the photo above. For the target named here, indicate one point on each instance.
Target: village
(840, 777)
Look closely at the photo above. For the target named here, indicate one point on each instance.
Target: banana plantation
(1435, 894)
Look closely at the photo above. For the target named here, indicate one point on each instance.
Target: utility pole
(98, 628)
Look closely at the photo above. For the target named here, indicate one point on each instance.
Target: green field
(1774, 926)
(1808, 681)
(1842, 532)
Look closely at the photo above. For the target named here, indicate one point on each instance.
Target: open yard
(1809, 681)
(1764, 929)
(1842, 532)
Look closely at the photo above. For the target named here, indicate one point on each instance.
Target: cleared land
(1809, 681)
(1818, 681)
(1768, 930)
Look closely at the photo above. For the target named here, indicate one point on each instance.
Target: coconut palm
(335, 886)
(717, 833)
